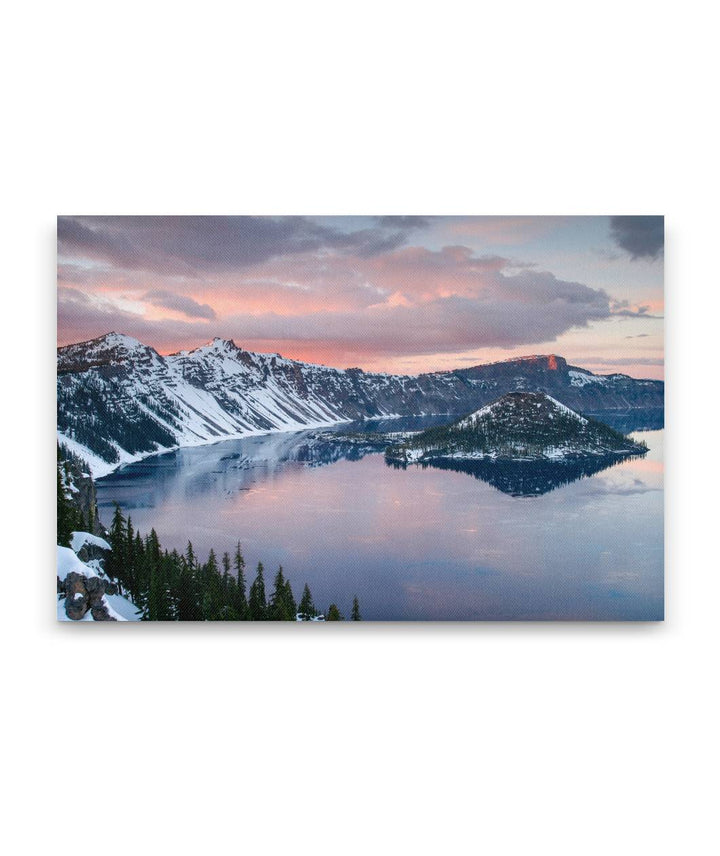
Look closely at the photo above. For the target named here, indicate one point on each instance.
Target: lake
(411, 543)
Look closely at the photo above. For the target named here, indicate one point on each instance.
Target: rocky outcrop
(85, 594)
(90, 552)
(575, 387)
(80, 491)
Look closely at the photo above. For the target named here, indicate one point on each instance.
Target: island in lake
(383, 418)
(524, 443)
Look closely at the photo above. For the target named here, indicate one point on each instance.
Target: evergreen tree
(153, 570)
(211, 585)
(64, 512)
(129, 558)
(173, 577)
(188, 594)
(290, 600)
(241, 603)
(172, 587)
(226, 576)
(307, 607)
(139, 571)
(355, 614)
(257, 604)
(115, 562)
(153, 606)
(281, 607)
(229, 594)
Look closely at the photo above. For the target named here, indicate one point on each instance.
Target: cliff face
(119, 400)
(578, 388)
(80, 489)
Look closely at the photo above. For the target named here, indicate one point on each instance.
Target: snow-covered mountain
(119, 400)
(519, 426)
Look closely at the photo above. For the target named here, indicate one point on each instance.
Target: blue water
(415, 543)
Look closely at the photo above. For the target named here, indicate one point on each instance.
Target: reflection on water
(524, 478)
(415, 543)
(626, 421)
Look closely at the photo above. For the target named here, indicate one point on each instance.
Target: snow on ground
(79, 539)
(121, 608)
(567, 410)
(118, 607)
(67, 562)
(581, 379)
(470, 420)
(98, 467)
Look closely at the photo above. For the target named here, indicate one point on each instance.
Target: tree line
(172, 586)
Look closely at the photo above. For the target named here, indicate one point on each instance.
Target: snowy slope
(67, 562)
(80, 539)
(119, 400)
(528, 426)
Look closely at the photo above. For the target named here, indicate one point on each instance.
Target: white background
(504, 739)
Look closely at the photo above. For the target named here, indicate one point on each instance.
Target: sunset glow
(396, 294)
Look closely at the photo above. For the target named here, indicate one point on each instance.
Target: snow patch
(118, 607)
(79, 539)
(567, 410)
(68, 562)
(581, 379)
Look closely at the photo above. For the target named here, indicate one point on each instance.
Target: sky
(387, 293)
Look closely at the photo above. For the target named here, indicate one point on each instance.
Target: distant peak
(123, 339)
(109, 340)
(553, 362)
(219, 344)
(522, 401)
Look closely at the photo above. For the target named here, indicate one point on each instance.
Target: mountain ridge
(120, 400)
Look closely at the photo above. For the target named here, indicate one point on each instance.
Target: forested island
(519, 426)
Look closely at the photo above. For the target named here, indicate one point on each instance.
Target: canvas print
(345, 418)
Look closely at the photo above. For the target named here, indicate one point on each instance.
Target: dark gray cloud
(641, 237)
(185, 246)
(396, 221)
(443, 325)
(180, 303)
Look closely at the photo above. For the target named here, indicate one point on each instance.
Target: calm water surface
(414, 543)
